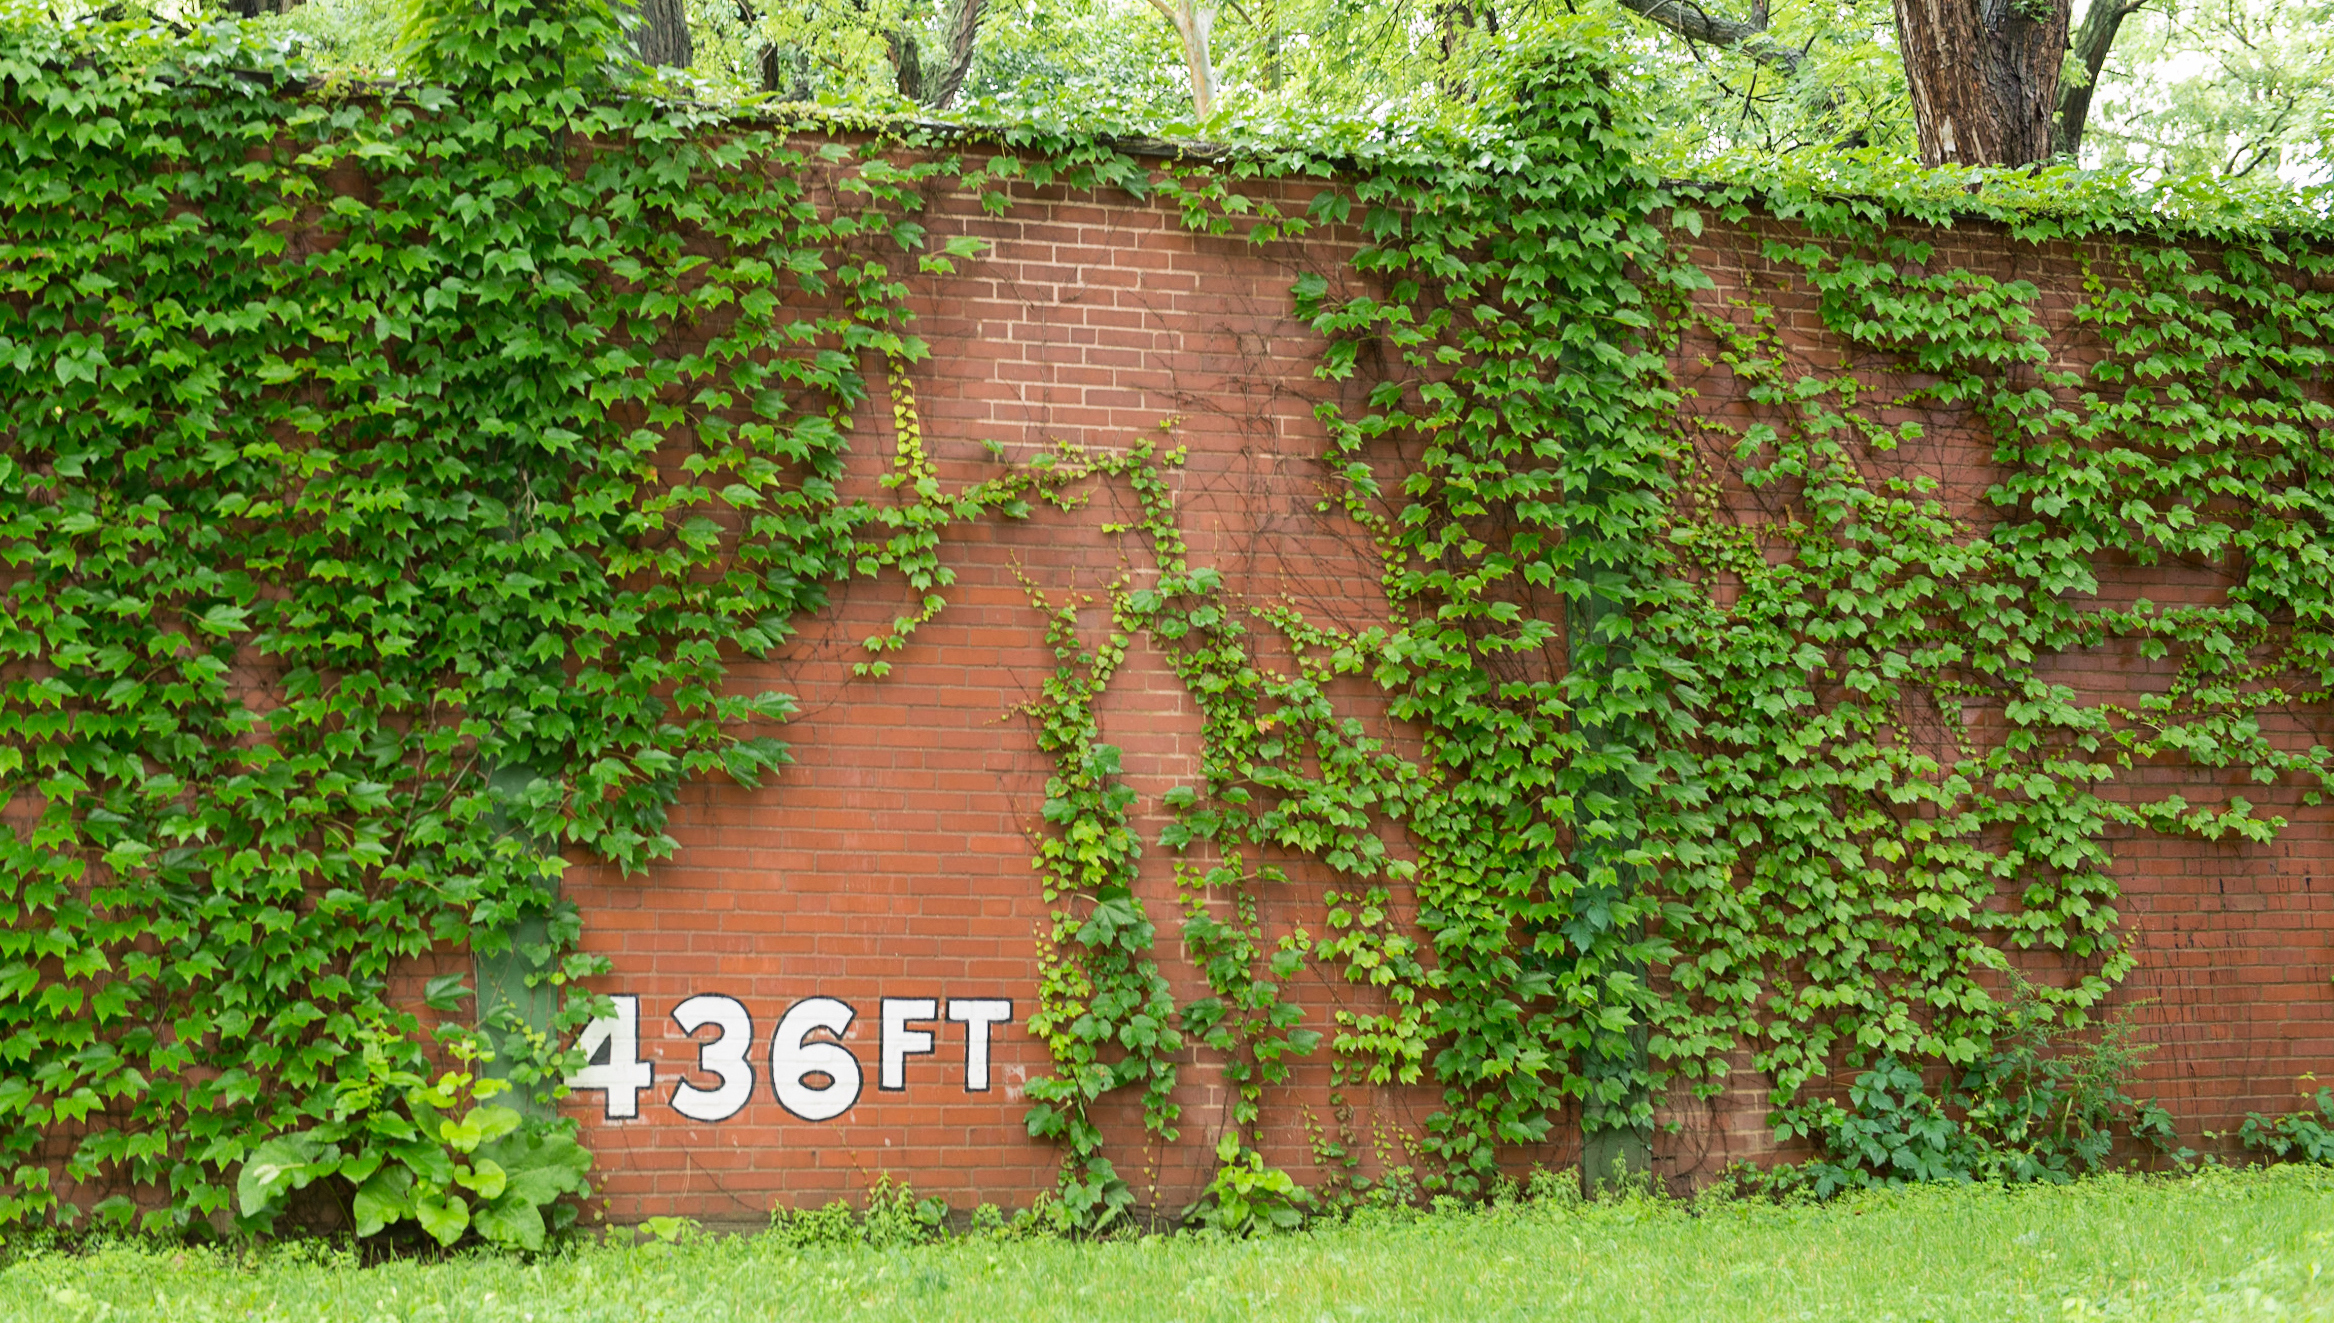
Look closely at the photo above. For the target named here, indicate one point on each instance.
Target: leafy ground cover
(2224, 1244)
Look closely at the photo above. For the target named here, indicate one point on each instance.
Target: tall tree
(662, 38)
(1192, 25)
(2228, 87)
(907, 62)
(935, 88)
(1266, 20)
(1456, 20)
(2101, 22)
(1984, 76)
(964, 28)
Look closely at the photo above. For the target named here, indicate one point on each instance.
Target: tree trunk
(663, 35)
(964, 26)
(907, 65)
(1274, 74)
(1984, 76)
(1191, 26)
(2092, 41)
(775, 66)
(1196, 57)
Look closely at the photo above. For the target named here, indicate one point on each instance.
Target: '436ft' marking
(807, 1045)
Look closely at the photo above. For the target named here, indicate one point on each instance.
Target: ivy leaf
(276, 1168)
(445, 993)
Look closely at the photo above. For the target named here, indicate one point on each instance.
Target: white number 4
(611, 1049)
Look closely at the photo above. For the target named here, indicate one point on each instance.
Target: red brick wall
(893, 859)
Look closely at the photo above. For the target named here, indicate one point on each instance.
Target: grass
(2221, 1245)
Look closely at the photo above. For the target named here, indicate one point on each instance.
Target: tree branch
(964, 25)
(1690, 20)
(2091, 44)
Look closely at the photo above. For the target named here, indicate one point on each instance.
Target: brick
(893, 857)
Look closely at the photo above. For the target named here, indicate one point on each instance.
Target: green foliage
(1105, 1011)
(1840, 80)
(2221, 1244)
(391, 482)
(345, 39)
(894, 1216)
(2304, 1136)
(1247, 1197)
(2043, 1106)
(532, 68)
(2233, 87)
(367, 548)
(1725, 829)
(446, 1159)
(2229, 87)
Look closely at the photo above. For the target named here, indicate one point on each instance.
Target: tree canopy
(2232, 87)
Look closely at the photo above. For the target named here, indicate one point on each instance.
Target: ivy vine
(392, 480)
(390, 484)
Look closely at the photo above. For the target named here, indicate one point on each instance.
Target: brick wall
(892, 861)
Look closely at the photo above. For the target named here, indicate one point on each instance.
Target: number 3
(725, 1056)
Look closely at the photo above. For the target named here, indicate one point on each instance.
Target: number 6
(792, 1058)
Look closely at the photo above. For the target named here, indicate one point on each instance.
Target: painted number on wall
(812, 1074)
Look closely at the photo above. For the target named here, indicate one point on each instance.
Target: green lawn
(2223, 1245)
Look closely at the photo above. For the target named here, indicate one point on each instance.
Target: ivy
(389, 487)
(393, 479)
(1726, 830)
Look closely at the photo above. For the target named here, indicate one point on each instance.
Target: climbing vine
(1810, 789)
(389, 486)
(393, 479)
